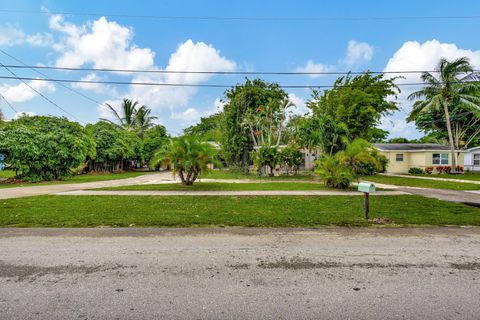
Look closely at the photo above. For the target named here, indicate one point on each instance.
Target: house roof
(410, 147)
(474, 148)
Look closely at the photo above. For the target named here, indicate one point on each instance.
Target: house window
(476, 159)
(399, 157)
(440, 158)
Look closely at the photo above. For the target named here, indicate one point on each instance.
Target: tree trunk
(450, 136)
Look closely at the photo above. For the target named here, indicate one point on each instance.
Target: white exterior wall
(468, 160)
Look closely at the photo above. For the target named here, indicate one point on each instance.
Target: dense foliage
(355, 105)
(153, 139)
(207, 129)
(117, 149)
(255, 100)
(44, 148)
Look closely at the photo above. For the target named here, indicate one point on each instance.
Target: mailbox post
(366, 188)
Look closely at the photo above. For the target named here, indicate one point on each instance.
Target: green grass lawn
(412, 182)
(6, 174)
(226, 174)
(79, 179)
(218, 186)
(255, 211)
(466, 176)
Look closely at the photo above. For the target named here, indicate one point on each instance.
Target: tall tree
(207, 129)
(358, 102)
(242, 100)
(144, 120)
(132, 117)
(454, 83)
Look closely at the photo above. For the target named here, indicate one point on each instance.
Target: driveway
(18, 192)
(335, 273)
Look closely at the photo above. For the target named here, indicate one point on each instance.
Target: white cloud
(23, 114)
(188, 117)
(300, 104)
(358, 52)
(188, 56)
(415, 56)
(311, 66)
(95, 87)
(11, 36)
(22, 93)
(102, 43)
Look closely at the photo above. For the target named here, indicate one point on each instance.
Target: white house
(472, 159)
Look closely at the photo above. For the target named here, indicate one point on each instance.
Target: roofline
(474, 148)
(420, 150)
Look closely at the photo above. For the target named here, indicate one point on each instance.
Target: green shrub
(266, 157)
(44, 148)
(334, 172)
(415, 170)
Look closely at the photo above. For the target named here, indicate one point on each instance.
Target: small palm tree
(456, 82)
(357, 154)
(188, 155)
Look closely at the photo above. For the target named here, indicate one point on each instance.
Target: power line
(246, 18)
(25, 66)
(47, 77)
(39, 93)
(8, 103)
(188, 84)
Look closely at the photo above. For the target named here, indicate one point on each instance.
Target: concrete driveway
(336, 273)
(18, 192)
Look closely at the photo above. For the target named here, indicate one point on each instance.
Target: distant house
(403, 156)
(472, 159)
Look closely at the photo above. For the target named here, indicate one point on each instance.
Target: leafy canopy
(44, 148)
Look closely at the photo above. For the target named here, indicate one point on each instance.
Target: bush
(447, 169)
(415, 170)
(459, 169)
(429, 170)
(333, 172)
(291, 158)
(266, 157)
(44, 148)
(440, 169)
(116, 148)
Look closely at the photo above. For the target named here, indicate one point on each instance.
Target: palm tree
(456, 82)
(188, 155)
(144, 120)
(132, 117)
(127, 118)
(1, 116)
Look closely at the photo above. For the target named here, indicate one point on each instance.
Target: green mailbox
(366, 187)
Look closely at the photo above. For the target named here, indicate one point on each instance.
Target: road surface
(331, 273)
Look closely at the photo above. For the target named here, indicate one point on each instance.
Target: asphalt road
(240, 273)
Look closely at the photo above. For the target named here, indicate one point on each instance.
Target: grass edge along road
(221, 211)
(224, 186)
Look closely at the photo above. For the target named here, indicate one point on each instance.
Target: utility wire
(39, 93)
(8, 103)
(137, 83)
(245, 18)
(47, 77)
(25, 66)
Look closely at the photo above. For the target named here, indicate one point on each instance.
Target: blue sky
(141, 43)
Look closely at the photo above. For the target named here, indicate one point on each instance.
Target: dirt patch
(23, 272)
(466, 266)
(239, 266)
(296, 263)
(382, 220)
